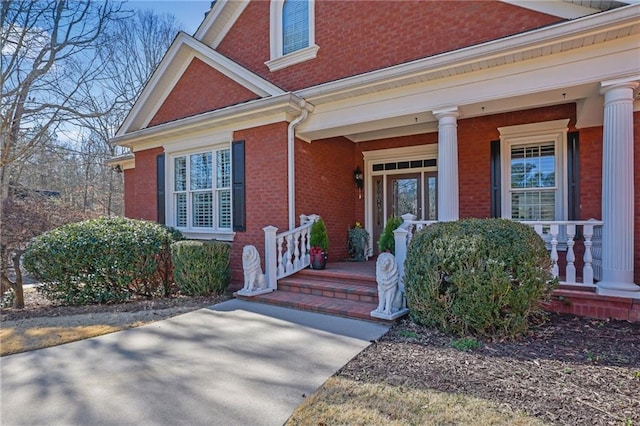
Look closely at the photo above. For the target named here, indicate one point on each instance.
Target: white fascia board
(264, 110)
(219, 21)
(550, 75)
(557, 8)
(562, 32)
(127, 161)
(182, 51)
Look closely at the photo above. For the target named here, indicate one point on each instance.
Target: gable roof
(180, 54)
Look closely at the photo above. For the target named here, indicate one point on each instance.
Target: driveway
(236, 363)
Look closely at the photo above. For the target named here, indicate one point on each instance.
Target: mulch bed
(567, 371)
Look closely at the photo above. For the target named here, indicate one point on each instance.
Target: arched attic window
(292, 33)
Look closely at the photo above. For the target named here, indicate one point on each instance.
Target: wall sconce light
(358, 178)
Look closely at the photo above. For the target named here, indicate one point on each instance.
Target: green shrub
(319, 237)
(201, 267)
(484, 277)
(101, 260)
(387, 240)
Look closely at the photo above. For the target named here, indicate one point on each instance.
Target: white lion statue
(254, 279)
(389, 292)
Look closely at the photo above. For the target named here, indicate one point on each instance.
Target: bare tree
(49, 52)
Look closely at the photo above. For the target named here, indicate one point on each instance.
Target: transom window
(202, 190)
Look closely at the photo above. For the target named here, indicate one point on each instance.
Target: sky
(189, 13)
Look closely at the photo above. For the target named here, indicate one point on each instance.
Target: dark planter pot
(318, 260)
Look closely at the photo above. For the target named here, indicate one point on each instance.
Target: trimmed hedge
(484, 277)
(201, 267)
(102, 260)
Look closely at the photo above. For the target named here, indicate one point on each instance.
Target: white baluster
(538, 228)
(280, 240)
(587, 270)
(571, 257)
(289, 266)
(296, 243)
(554, 250)
(306, 241)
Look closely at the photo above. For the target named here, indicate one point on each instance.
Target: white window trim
(222, 234)
(548, 131)
(278, 60)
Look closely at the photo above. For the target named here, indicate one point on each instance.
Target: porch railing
(288, 252)
(559, 236)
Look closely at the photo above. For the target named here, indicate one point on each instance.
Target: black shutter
(160, 188)
(573, 178)
(496, 197)
(238, 186)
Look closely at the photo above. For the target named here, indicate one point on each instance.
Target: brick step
(319, 304)
(320, 286)
(337, 276)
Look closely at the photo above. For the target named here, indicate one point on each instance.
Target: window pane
(224, 209)
(223, 168)
(295, 25)
(202, 206)
(180, 168)
(533, 205)
(432, 187)
(405, 196)
(181, 210)
(201, 173)
(533, 166)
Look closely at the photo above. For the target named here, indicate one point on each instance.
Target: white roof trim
(557, 8)
(222, 16)
(180, 54)
(235, 114)
(409, 72)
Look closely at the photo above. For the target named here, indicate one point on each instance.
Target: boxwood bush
(484, 277)
(201, 267)
(101, 260)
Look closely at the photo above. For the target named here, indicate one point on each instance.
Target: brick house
(524, 110)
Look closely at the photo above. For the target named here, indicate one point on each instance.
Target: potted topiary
(387, 242)
(319, 243)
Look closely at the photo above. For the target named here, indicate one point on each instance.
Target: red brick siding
(360, 36)
(129, 192)
(325, 186)
(591, 173)
(200, 89)
(474, 152)
(266, 188)
(141, 198)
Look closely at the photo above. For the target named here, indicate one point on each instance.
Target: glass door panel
(404, 195)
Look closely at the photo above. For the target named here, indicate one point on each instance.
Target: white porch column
(617, 191)
(448, 194)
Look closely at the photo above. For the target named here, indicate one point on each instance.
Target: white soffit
(180, 54)
(560, 8)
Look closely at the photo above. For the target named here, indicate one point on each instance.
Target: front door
(414, 193)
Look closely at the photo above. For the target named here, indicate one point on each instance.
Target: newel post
(270, 259)
(400, 237)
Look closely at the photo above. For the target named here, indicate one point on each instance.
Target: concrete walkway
(237, 363)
